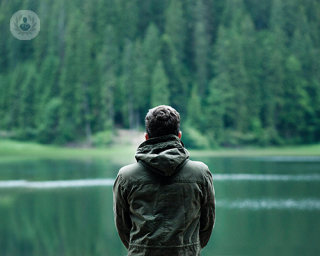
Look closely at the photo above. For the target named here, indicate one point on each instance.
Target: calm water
(265, 206)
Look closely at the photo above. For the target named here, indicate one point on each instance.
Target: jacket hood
(164, 154)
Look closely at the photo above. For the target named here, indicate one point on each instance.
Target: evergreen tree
(70, 88)
(303, 49)
(194, 109)
(127, 85)
(160, 91)
(260, 12)
(301, 45)
(215, 109)
(15, 80)
(141, 86)
(250, 69)
(4, 94)
(26, 118)
(47, 89)
(108, 60)
(129, 19)
(284, 17)
(229, 62)
(48, 130)
(175, 28)
(47, 109)
(82, 110)
(252, 66)
(201, 48)
(41, 46)
(173, 54)
(296, 103)
(151, 46)
(271, 79)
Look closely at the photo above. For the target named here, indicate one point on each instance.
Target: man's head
(162, 120)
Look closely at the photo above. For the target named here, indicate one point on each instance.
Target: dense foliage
(238, 71)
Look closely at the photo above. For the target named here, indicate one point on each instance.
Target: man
(164, 204)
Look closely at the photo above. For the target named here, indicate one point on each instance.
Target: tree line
(238, 71)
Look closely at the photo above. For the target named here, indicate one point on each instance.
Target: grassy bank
(304, 150)
(11, 149)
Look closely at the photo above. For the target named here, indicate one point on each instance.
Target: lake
(265, 206)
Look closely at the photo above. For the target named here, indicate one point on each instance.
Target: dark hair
(162, 120)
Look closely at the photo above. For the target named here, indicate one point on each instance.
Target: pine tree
(108, 60)
(230, 65)
(160, 93)
(253, 70)
(283, 16)
(4, 94)
(127, 24)
(141, 86)
(173, 54)
(201, 48)
(272, 79)
(69, 86)
(151, 46)
(313, 14)
(175, 28)
(296, 103)
(260, 12)
(127, 85)
(15, 81)
(27, 113)
(82, 111)
(255, 67)
(216, 108)
(47, 89)
(195, 110)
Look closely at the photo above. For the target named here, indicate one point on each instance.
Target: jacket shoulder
(195, 171)
(129, 170)
(198, 165)
(131, 173)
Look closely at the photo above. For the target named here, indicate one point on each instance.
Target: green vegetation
(10, 150)
(304, 150)
(240, 72)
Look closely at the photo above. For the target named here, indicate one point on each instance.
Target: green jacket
(164, 204)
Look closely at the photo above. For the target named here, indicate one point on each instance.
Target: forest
(239, 72)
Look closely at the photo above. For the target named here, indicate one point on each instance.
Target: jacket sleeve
(121, 211)
(208, 214)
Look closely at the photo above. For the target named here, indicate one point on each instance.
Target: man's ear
(180, 134)
(146, 136)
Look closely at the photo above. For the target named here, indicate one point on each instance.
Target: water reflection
(109, 182)
(309, 204)
(64, 207)
(58, 184)
(58, 222)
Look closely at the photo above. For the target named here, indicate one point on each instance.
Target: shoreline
(11, 149)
